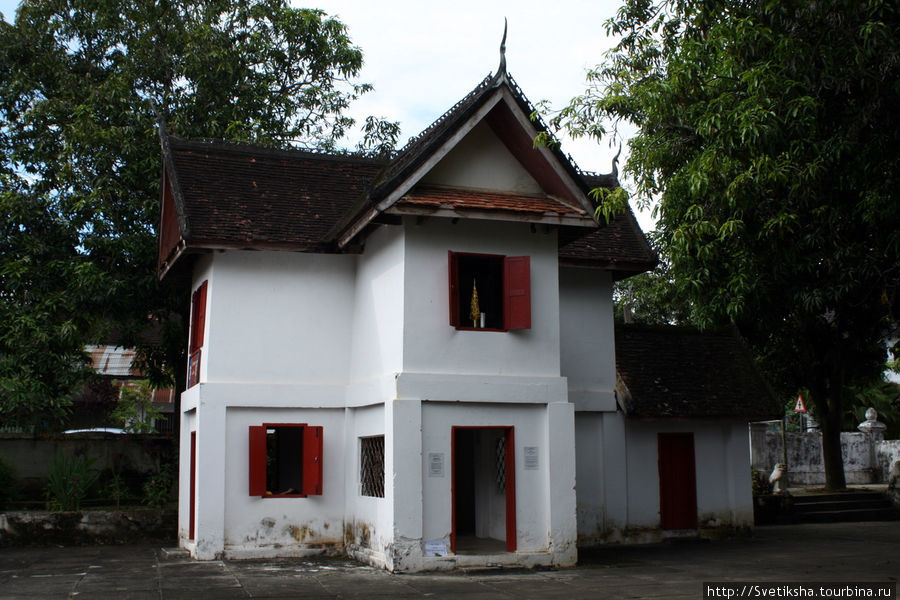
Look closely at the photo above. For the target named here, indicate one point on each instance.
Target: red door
(192, 508)
(677, 481)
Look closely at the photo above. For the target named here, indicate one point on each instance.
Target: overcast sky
(422, 57)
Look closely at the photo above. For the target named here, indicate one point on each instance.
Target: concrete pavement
(847, 552)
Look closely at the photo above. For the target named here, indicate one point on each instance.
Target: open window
(285, 460)
(489, 291)
(198, 327)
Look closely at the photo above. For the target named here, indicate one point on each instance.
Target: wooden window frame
(310, 460)
(198, 332)
(515, 291)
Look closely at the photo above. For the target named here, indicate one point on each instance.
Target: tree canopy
(82, 84)
(769, 140)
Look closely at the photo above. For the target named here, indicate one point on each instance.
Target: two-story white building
(406, 360)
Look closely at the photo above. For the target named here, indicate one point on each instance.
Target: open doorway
(483, 490)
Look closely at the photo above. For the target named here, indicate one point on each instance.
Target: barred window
(371, 466)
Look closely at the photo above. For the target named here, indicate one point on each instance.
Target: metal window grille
(371, 466)
(500, 464)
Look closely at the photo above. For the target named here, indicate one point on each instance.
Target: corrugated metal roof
(113, 361)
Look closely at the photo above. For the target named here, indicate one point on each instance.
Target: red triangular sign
(799, 407)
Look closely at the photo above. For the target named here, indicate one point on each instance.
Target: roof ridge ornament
(615, 163)
(501, 70)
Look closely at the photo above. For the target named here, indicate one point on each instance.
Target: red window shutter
(198, 317)
(517, 292)
(453, 286)
(257, 460)
(312, 461)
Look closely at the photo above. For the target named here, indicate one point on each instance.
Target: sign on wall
(435, 464)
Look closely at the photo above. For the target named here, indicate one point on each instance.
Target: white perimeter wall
(431, 345)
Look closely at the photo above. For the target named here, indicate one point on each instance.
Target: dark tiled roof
(228, 196)
(620, 245)
(456, 198)
(678, 372)
(251, 197)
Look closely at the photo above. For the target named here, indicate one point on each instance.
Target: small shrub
(68, 481)
(114, 488)
(761, 485)
(158, 488)
(7, 484)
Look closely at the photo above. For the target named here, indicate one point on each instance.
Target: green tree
(82, 83)
(134, 411)
(652, 298)
(769, 136)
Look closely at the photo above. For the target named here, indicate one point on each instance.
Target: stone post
(874, 430)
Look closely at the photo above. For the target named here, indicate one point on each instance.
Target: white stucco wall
(369, 520)
(278, 317)
(376, 341)
(188, 424)
(256, 526)
(722, 455)
(587, 346)
(538, 524)
(618, 475)
(432, 345)
(480, 160)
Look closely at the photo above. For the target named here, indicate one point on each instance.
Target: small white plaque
(531, 458)
(435, 548)
(435, 464)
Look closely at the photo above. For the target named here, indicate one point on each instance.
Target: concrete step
(840, 502)
(847, 516)
(843, 507)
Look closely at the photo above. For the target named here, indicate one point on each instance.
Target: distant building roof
(112, 361)
(679, 372)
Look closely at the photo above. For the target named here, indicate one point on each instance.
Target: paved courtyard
(845, 552)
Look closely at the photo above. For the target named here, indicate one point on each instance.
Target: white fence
(866, 459)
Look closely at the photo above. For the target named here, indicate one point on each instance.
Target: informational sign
(435, 464)
(435, 548)
(531, 458)
(800, 407)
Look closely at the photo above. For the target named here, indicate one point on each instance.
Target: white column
(403, 477)
(210, 534)
(561, 483)
(615, 472)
